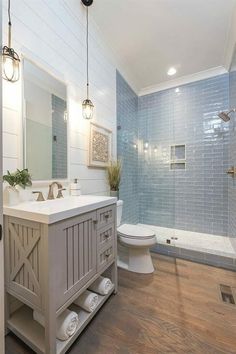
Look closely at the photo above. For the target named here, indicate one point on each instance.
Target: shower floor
(205, 248)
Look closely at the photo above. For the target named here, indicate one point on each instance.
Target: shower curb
(215, 260)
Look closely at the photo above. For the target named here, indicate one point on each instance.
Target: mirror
(45, 124)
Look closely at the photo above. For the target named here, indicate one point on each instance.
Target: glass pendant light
(87, 105)
(10, 59)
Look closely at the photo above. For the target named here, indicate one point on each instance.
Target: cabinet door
(23, 251)
(75, 255)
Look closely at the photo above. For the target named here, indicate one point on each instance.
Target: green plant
(114, 174)
(20, 178)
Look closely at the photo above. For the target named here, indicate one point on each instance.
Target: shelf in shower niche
(177, 165)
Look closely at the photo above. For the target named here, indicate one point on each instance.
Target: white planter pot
(11, 196)
(114, 194)
(25, 194)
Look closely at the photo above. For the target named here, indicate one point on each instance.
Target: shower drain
(227, 294)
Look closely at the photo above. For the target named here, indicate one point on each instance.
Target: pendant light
(10, 59)
(87, 105)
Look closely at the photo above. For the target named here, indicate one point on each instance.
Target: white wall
(52, 34)
(230, 43)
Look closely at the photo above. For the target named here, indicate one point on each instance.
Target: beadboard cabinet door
(23, 256)
(74, 259)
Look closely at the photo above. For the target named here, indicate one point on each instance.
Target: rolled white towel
(67, 323)
(88, 301)
(101, 286)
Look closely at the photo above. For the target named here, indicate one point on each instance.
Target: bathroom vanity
(54, 250)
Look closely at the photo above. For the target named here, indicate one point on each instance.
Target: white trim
(219, 70)
(231, 41)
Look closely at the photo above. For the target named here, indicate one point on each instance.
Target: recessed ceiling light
(172, 71)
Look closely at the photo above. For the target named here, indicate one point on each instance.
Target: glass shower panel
(232, 153)
(156, 179)
(127, 149)
(201, 200)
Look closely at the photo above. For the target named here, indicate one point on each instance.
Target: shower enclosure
(176, 152)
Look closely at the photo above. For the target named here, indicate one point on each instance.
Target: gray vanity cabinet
(49, 265)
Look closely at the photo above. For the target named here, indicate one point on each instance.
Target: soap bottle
(75, 188)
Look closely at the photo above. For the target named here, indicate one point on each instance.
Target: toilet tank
(119, 211)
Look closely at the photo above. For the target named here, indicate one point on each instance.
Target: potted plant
(114, 177)
(19, 178)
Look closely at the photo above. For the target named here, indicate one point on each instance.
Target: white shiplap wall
(52, 34)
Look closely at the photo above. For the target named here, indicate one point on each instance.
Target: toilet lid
(135, 231)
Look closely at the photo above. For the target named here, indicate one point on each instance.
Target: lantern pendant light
(10, 59)
(87, 105)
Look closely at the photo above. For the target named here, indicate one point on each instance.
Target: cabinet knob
(106, 216)
(95, 222)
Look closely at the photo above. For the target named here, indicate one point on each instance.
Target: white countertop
(51, 211)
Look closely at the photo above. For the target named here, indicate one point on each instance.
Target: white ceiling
(149, 36)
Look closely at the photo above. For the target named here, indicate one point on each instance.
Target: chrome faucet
(60, 189)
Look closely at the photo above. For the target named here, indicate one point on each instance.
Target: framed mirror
(45, 124)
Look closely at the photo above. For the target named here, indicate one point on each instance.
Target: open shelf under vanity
(31, 332)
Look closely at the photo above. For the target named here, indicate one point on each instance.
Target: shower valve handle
(232, 171)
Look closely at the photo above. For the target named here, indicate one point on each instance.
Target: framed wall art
(100, 146)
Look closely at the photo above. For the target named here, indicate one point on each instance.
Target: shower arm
(232, 110)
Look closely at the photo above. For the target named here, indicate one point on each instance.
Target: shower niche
(177, 157)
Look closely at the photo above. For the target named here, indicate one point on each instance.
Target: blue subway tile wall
(232, 157)
(127, 134)
(195, 199)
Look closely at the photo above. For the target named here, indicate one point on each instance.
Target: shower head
(225, 115)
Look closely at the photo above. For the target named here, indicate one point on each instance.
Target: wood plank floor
(178, 309)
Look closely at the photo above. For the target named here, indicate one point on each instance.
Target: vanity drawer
(106, 216)
(105, 256)
(105, 236)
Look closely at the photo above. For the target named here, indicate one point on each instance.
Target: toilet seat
(136, 236)
(135, 232)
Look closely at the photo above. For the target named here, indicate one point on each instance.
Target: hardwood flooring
(178, 309)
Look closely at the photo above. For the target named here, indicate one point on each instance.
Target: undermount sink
(51, 211)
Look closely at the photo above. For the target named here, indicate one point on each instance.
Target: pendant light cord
(87, 43)
(9, 23)
(9, 12)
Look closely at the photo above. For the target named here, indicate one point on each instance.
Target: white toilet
(134, 242)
